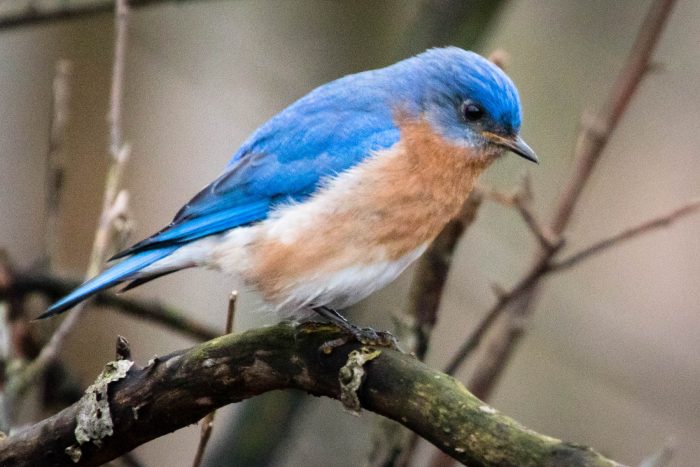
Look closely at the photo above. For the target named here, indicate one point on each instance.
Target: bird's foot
(369, 336)
(365, 336)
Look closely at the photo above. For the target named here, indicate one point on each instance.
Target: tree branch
(55, 163)
(208, 421)
(593, 138)
(628, 234)
(521, 200)
(54, 287)
(114, 203)
(31, 12)
(596, 130)
(176, 390)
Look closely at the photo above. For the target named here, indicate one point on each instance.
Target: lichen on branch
(178, 389)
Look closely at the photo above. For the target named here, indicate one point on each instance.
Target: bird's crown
(466, 75)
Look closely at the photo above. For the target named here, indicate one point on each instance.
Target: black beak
(515, 144)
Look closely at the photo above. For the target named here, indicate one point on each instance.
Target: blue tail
(124, 271)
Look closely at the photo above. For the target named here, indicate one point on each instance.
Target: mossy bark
(179, 389)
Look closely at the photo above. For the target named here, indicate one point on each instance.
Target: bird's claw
(368, 336)
(365, 336)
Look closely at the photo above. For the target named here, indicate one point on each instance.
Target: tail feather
(124, 271)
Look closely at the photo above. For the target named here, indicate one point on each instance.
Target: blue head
(466, 98)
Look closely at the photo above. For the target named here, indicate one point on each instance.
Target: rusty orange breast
(381, 210)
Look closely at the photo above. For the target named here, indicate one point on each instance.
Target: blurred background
(612, 358)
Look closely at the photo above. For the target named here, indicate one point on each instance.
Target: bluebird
(332, 198)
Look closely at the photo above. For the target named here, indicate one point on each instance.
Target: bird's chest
(369, 223)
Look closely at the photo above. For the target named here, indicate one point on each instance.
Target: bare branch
(592, 140)
(178, 389)
(597, 130)
(101, 242)
(30, 12)
(521, 200)
(628, 234)
(55, 165)
(123, 349)
(54, 288)
(393, 444)
(500, 58)
(231, 312)
(114, 117)
(505, 299)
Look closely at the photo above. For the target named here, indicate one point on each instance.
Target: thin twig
(54, 288)
(521, 200)
(231, 312)
(5, 345)
(99, 252)
(593, 138)
(432, 270)
(535, 275)
(628, 234)
(392, 444)
(123, 351)
(114, 117)
(55, 164)
(100, 247)
(596, 131)
(41, 12)
(208, 420)
(594, 135)
(505, 299)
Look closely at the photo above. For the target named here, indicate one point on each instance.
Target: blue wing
(323, 134)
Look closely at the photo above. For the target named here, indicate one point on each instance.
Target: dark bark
(177, 390)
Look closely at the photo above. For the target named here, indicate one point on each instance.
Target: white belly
(338, 289)
(345, 287)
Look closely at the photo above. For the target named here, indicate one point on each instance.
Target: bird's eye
(472, 112)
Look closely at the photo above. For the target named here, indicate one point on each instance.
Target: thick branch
(178, 389)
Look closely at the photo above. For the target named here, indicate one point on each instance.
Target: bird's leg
(365, 336)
